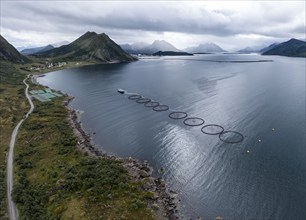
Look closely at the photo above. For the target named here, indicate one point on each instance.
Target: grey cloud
(270, 19)
(148, 17)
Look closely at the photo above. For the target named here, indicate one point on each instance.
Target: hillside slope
(9, 53)
(265, 49)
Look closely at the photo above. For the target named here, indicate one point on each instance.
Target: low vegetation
(53, 178)
(13, 105)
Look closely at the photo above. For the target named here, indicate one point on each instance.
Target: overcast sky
(230, 24)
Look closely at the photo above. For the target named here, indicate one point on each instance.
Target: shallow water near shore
(262, 177)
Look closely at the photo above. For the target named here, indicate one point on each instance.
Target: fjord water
(263, 101)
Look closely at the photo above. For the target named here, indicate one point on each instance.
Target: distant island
(172, 53)
(290, 48)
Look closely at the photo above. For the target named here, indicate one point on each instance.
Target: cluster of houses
(47, 65)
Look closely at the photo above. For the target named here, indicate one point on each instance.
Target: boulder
(143, 174)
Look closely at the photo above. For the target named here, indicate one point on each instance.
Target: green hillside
(89, 47)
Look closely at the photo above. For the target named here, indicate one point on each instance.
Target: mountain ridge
(34, 50)
(89, 47)
(247, 50)
(205, 48)
(149, 49)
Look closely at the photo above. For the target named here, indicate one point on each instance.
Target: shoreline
(164, 201)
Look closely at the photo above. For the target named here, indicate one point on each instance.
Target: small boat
(120, 91)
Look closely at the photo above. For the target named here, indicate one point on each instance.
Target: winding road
(12, 209)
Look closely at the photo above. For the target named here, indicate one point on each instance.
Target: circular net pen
(134, 97)
(212, 129)
(178, 115)
(231, 137)
(161, 108)
(151, 104)
(143, 100)
(194, 121)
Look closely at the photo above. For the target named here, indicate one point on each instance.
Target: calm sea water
(263, 101)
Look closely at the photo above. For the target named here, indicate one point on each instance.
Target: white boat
(120, 91)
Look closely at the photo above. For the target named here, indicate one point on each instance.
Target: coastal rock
(145, 168)
(160, 182)
(143, 174)
(155, 206)
(173, 216)
(159, 194)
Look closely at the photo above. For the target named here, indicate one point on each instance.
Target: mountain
(9, 53)
(265, 49)
(29, 51)
(134, 48)
(249, 50)
(161, 45)
(21, 48)
(34, 50)
(89, 47)
(149, 49)
(290, 48)
(59, 44)
(171, 53)
(205, 48)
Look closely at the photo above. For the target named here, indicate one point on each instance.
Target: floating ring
(178, 115)
(233, 137)
(134, 97)
(151, 104)
(194, 121)
(143, 100)
(161, 108)
(212, 129)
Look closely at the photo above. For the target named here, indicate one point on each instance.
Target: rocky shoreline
(163, 202)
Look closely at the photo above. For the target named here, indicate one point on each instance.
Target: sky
(230, 24)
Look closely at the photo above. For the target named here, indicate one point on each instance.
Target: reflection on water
(251, 179)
